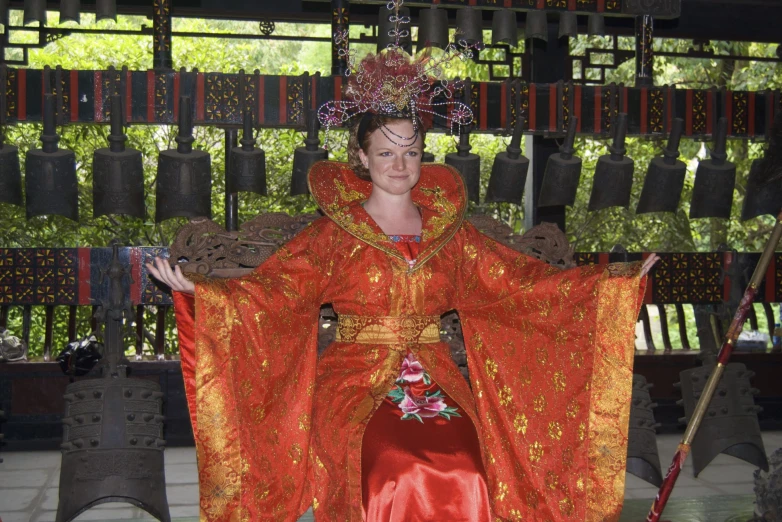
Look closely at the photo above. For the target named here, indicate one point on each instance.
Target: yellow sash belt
(388, 330)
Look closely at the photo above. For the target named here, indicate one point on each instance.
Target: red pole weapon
(711, 385)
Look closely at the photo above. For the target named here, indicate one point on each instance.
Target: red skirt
(422, 471)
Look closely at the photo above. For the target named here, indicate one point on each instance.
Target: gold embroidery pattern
(610, 388)
(219, 449)
(388, 330)
(438, 223)
(348, 196)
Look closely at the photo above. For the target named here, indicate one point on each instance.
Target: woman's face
(394, 169)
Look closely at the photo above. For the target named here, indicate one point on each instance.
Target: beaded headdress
(392, 83)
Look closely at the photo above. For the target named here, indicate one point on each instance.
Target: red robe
(550, 354)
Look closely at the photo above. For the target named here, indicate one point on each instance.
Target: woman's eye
(413, 153)
(385, 154)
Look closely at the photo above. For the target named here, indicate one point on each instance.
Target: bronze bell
(730, 423)
(113, 443)
(536, 26)
(50, 173)
(665, 177)
(563, 171)
(596, 25)
(468, 165)
(117, 173)
(10, 173)
(504, 28)
(568, 24)
(386, 27)
(184, 175)
(764, 185)
(469, 25)
(715, 179)
(509, 172)
(35, 11)
(306, 156)
(105, 10)
(614, 173)
(763, 194)
(432, 28)
(643, 458)
(248, 164)
(70, 11)
(4, 12)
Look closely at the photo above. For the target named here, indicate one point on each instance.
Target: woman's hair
(366, 126)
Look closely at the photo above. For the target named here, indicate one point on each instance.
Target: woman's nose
(399, 163)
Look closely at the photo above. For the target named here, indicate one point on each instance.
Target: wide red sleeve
(184, 311)
(550, 354)
(249, 350)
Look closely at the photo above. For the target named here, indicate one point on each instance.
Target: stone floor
(723, 491)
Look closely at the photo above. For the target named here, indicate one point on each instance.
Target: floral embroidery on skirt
(417, 396)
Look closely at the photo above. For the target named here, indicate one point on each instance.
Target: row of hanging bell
(51, 173)
(714, 180)
(433, 26)
(183, 182)
(70, 11)
(537, 24)
(184, 175)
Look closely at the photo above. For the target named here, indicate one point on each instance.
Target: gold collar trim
(440, 194)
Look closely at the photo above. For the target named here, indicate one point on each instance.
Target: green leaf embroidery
(451, 410)
(397, 394)
(409, 416)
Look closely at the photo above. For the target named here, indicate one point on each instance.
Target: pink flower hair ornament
(392, 83)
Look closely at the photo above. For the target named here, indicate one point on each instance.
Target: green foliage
(598, 231)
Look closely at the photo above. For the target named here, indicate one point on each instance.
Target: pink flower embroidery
(415, 406)
(412, 371)
(424, 407)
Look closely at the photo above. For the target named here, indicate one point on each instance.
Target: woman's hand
(175, 279)
(649, 263)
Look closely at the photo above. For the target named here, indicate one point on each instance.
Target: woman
(383, 426)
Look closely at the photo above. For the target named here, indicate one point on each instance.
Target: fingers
(184, 283)
(175, 279)
(649, 263)
(152, 270)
